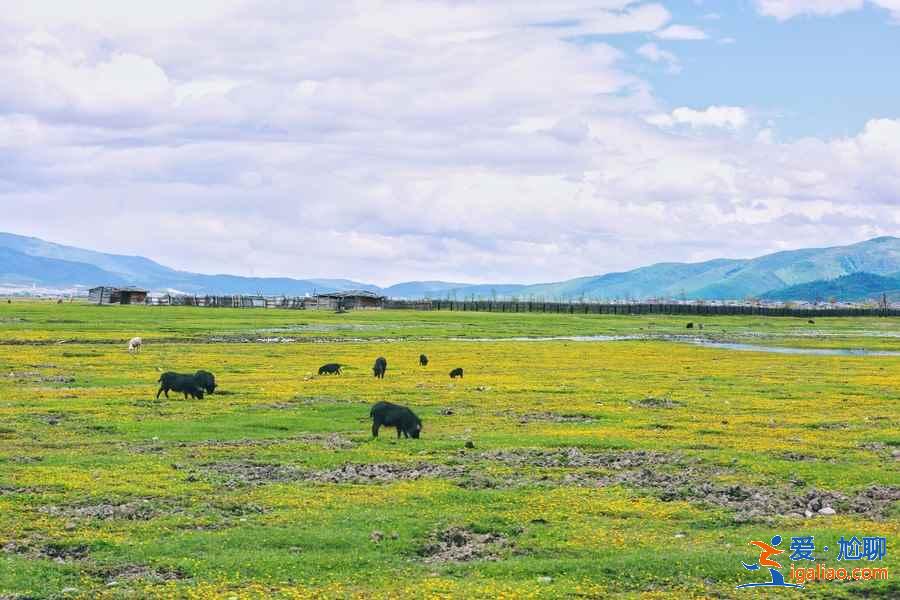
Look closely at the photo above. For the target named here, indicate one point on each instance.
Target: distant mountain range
(808, 274)
(26, 262)
(849, 288)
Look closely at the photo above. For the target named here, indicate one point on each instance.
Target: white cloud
(892, 5)
(637, 19)
(42, 77)
(654, 53)
(729, 117)
(787, 9)
(384, 141)
(681, 32)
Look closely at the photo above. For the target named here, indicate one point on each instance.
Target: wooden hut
(349, 300)
(115, 295)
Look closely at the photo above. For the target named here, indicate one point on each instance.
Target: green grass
(43, 322)
(778, 424)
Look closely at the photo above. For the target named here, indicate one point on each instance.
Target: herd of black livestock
(383, 414)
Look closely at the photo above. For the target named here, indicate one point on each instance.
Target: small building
(115, 295)
(348, 300)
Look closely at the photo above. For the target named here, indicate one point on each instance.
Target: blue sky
(464, 140)
(812, 76)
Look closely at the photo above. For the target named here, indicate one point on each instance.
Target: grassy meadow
(553, 469)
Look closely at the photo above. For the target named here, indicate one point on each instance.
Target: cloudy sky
(465, 140)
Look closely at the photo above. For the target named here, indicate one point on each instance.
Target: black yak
(186, 384)
(393, 415)
(380, 367)
(330, 369)
(206, 380)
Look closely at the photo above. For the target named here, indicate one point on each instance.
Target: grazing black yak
(380, 367)
(423, 360)
(457, 372)
(393, 415)
(330, 369)
(186, 384)
(206, 380)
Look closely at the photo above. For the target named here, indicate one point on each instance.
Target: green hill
(732, 279)
(29, 261)
(849, 288)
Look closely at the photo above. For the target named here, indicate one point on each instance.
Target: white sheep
(135, 345)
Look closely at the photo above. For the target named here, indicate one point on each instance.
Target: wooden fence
(233, 301)
(531, 306)
(597, 308)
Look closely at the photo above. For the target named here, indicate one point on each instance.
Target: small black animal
(423, 360)
(330, 369)
(380, 367)
(393, 415)
(457, 372)
(186, 384)
(811, 322)
(206, 380)
(690, 325)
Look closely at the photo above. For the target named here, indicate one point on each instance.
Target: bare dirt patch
(650, 402)
(129, 573)
(65, 552)
(23, 375)
(55, 551)
(138, 510)
(50, 418)
(575, 457)
(753, 503)
(15, 489)
(548, 417)
(24, 460)
(882, 449)
(829, 426)
(332, 441)
(672, 477)
(874, 446)
(276, 406)
(875, 500)
(458, 544)
(38, 377)
(799, 457)
(587, 469)
(383, 473)
(244, 473)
